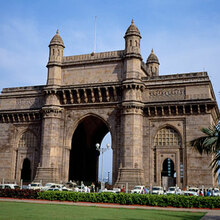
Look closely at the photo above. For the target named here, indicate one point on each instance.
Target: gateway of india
(49, 133)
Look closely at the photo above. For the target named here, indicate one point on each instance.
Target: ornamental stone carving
(167, 94)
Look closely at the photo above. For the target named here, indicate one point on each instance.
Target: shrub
(121, 198)
(19, 193)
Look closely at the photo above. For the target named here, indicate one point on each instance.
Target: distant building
(49, 132)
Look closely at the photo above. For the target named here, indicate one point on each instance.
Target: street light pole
(102, 150)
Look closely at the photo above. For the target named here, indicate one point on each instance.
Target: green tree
(209, 144)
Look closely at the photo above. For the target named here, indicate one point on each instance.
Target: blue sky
(185, 34)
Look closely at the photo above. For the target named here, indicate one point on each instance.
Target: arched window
(167, 136)
(27, 140)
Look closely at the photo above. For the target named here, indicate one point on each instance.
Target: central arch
(83, 163)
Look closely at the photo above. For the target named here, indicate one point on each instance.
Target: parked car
(173, 190)
(51, 186)
(189, 193)
(55, 187)
(107, 190)
(82, 189)
(194, 190)
(117, 190)
(24, 187)
(138, 189)
(35, 186)
(216, 192)
(157, 190)
(9, 186)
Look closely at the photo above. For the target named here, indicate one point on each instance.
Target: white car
(107, 190)
(138, 189)
(82, 189)
(52, 186)
(216, 192)
(194, 190)
(173, 190)
(56, 187)
(35, 186)
(189, 193)
(157, 190)
(9, 186)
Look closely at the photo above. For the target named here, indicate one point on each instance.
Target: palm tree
(209, 144)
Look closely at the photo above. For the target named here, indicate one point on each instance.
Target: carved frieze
(177, 109)
(20, 117)
(132, 109)
(167, 94)
(25, 103)
(52, 112)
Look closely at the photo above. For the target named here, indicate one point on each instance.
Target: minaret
(152, 64)
(55, 59)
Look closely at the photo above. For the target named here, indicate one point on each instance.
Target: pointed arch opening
(105, 172)
(168, 168)
(27, 156)
(26, 171)
(84, 157)
(168, 144)
(168, 174)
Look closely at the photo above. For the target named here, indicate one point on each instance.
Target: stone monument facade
(49, 132)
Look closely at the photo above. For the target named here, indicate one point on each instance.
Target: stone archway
(168, 149)
(83, 162)
(27, 156)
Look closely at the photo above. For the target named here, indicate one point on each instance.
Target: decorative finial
(152, 51)
(132, 21)
(57, 31)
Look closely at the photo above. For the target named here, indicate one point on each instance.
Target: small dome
(152, 58)
(57, 40)
(132, 30)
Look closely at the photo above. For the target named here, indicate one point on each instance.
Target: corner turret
(56, 48)
(152, 64)
(55, 59)
(132, 40)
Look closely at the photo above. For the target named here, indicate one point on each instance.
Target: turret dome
(132, 30)
(57, 40)
(152, 58)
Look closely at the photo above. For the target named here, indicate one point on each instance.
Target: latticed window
(167, 136)
(28, 140)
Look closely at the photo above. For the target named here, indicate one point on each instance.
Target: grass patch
(19, 210)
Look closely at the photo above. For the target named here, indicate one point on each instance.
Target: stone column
(49, 169)
(131, 164)
(131, 170)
